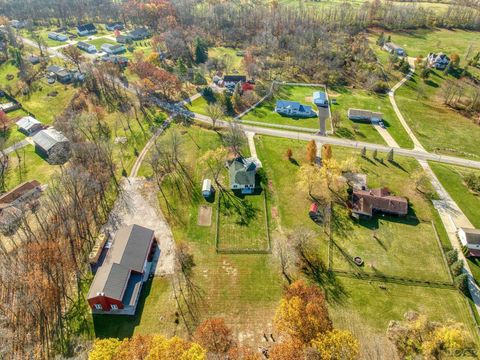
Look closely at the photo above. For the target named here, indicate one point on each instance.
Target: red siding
(105, 302)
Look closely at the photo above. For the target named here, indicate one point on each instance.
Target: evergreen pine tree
(201, 51)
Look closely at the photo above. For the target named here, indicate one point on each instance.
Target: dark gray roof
(129, 250)
(242, 171)
(48, 138)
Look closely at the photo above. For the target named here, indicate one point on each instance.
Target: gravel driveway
(139, 206)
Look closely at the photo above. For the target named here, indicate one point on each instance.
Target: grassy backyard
(26, 164)
(100, 41)
(242, 222)
(265, 112)
(362, 99)
(232, 61)
(45, 108)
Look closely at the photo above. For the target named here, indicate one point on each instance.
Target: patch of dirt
(10, 77)
(52, 94)
(205, 215)
(309, 99)
(229, 269)
(274, 212)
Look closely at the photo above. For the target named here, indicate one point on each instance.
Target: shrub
(381, 87)
(461, 283)
(472, 181)
(452, 256)
(457, 267)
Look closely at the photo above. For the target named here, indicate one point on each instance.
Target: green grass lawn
(242, 222)
(144, 46)
(199, 105)
(437, 127)
(99, 42)
(451, 178)
(388, 246)
(423, 41)
(233, 62)
(44, 107)
(265, 112)
(362, 99)
(366, 308)
(363, 306)
(244, 289)
(27, 165)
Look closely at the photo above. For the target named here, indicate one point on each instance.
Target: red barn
(118, 282)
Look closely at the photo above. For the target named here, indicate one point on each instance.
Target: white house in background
(438, 61)
(87, 47)
(394, 49)
(29, 125)
(471, 239)
(293, 108)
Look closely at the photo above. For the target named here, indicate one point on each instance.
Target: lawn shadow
(294, 161)
(397, 165)
(431, 83)
(121, 326)
(236, 203)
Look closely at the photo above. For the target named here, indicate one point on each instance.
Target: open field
(357, 299)
(362, 99)
(366, 308)
(437, 127)
(265, 112)
(423, 41)
(244, 289)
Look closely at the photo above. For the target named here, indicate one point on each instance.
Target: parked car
(382, 124)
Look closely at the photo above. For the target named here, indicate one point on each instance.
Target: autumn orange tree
(311, 151)
(303, 316)
(302, 313)
(146, 347)
(214, 335)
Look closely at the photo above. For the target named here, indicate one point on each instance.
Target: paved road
(417, 154)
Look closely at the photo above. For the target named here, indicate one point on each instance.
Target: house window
(98, 306)
(113, 307)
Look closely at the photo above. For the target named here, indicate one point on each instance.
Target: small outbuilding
(394, 49)
(207, 189)
(470, 238)
(53, 145)
(87, 47)
(320, 98)
(364, 115)
(29, 125)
